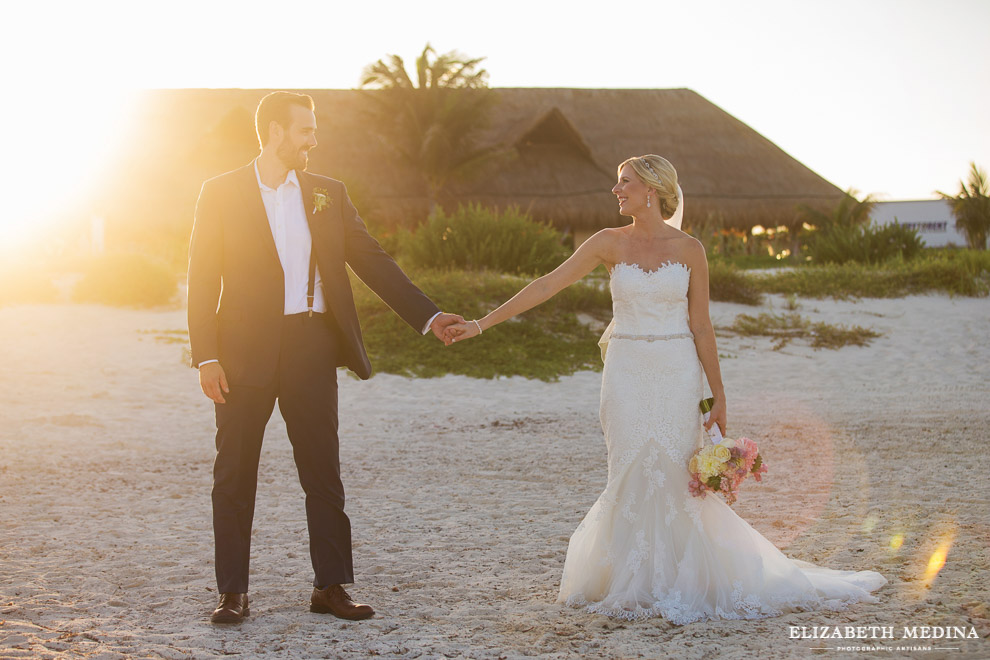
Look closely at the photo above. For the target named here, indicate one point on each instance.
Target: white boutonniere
(321, 200)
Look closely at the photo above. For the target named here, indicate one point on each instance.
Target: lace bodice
(650, 302)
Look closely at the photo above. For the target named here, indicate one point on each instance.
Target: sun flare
(56, 157)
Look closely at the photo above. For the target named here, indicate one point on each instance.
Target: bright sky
(890, 97)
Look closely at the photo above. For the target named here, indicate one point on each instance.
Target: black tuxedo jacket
(236, 287)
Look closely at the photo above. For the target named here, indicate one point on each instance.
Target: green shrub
(476, 238)
(389, 237)
(866, 244)
(726, 283)
(546, 342)
(756, 261)
(129, 280)
(719, 238)
(960, 272)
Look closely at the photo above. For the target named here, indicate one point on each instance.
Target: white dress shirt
(287, 219)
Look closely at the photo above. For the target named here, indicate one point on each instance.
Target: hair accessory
(650, 168)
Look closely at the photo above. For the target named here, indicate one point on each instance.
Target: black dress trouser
(305, 386)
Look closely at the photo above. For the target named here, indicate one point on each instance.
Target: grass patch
(754, 261)
(726, 283)
(784, 328)
(960, 272)
(545, 343)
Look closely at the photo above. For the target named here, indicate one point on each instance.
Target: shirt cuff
(206, 362)
(430, 322)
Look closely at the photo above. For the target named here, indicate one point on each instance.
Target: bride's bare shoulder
(692, 251)
(610, 234)
(607, 242)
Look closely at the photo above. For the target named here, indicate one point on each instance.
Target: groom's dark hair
(275, 107)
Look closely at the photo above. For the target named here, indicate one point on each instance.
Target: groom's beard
(292, 156)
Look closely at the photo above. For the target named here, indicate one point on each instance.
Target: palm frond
(971, 207)
(432, 125)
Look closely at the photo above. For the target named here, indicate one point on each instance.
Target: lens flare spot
(896, 541)
(937, 561)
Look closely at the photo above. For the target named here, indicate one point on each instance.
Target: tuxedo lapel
(255, 215)
(319, 227)
(306, 188)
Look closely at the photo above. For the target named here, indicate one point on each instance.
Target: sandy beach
(463, 493)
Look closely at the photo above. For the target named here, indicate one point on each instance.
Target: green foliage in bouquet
(126, 280)
(475, 237)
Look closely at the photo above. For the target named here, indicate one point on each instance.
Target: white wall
(931, 217)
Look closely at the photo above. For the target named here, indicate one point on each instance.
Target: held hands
(717, 415)
(441, 323)
(464, 330)
(213, 381)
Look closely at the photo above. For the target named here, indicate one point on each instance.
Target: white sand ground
(463, 493)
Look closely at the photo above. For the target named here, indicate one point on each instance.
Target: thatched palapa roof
(568, 144)
(724, 166)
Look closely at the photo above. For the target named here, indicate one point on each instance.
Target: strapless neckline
(660, 268)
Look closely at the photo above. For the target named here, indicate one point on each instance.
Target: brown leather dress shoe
(334, 600)
(233, 608)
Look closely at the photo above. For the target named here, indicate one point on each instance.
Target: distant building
(931, 217)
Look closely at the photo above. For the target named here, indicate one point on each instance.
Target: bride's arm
(704, 333)
(585, 259)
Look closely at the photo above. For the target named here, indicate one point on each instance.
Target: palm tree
(451, 70)
(972, 207)
(433, 123)
(849, 212)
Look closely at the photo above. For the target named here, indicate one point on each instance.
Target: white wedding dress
(648, 547)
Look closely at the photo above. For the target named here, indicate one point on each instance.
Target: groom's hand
(213, 381)
(441, 322)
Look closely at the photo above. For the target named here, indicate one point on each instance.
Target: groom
(271, 316)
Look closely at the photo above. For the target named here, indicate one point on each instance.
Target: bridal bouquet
(721, 467)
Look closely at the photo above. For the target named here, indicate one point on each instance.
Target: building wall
(931, 217)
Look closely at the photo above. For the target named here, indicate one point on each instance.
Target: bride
(647, 547)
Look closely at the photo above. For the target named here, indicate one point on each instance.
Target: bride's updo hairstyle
(657, 173)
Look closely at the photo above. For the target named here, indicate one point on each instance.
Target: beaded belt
(682, 335)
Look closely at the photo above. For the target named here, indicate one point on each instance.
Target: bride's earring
(648, 204)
